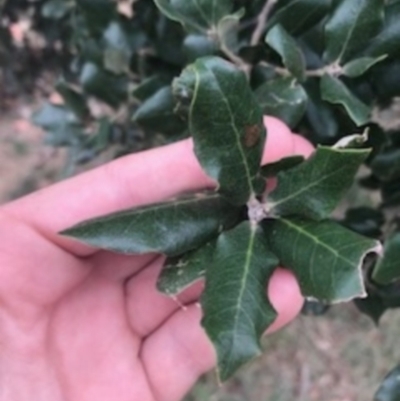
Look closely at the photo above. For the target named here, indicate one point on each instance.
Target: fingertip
(285, 296)
(279, 140)
(302, 146)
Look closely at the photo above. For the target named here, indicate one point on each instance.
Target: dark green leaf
(297, 16)
(196, 46)
(157, 113)
(321, 115)
(372, 306)
(388, 267)
(386, 165)
(334, 91)
(283, 98)
(236, 309)
(172, 228)
(98, 13)
(390, 387)
(314, 188)
(149, 87)
(287, 163)
(365, 221)
(352, 24)
(227, 30)
(103, 85)
(196, 15)
(358, 67)
(287, 48)
(387, 41)
(56, 9)
(180, 272)
(325, 257)
(226, 124)
(73, 99)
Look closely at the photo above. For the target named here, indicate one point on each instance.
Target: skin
(81, 324)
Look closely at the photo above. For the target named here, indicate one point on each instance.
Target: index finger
(135, 180)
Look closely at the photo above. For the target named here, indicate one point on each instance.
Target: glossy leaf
(387, 41)
(229, 142)
(325, 257)
(287, 48)
(157, 113)
(287, 163)
(359, 66)
(351, 25)
(314, 188)
(195, 15)
(389, 390)
(236, 309)
(108, 87)
(172, 228)
(388, 267)
(297, 16)
(283, 98)
(149, 87)
(335, 91)
(180, 272)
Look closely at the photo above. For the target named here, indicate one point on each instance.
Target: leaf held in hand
(325, 257)
(314, 188)
(180, 272)
(172, 228)
(226, 123)
(236, 309)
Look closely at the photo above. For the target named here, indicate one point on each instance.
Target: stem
(262, 22)
(333, 69)
(246, 68)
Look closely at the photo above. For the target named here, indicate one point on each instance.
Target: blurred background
(338, 356)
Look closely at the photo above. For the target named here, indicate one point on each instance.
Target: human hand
(87, 325)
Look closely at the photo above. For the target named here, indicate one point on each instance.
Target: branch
(262, 22)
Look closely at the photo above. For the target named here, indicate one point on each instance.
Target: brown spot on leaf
(252, 135)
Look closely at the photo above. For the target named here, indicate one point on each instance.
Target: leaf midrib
(316, 240)
(304, 189)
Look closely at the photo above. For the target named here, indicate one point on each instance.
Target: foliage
(169, 69)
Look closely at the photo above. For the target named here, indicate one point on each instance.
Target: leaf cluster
(144, 73)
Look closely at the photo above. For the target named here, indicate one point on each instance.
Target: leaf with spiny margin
(325, 257)
(389, 390)
(334, 91)
(197, 16)
(388, 267)
(235, 304)
(226, 123)
(314, 188)
(283, 98)
(180, 272)
(359, 66)
(350, 27)
(172, 228)
(287, 163)
(286, 47)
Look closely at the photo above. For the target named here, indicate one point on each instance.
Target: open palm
(82, 324)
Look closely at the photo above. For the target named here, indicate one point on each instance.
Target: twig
(235, 59)
(262, 22)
